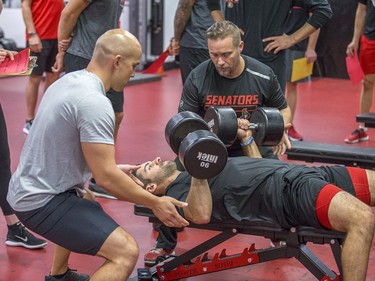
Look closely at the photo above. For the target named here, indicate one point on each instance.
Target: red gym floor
(326, 113)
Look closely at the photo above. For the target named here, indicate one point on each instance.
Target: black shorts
(278, 66)
(46, 58)
(76, 224)
(190, 58)
(74, 63)
(299, 197)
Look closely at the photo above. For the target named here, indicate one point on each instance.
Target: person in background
(191, 21)
(83, 22)
(364, 35)
(304, 49)
(17, 234)
(264, 39)
(41, 18)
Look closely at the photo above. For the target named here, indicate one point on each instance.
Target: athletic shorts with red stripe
(306, 200)
(361, 188)
(367, 55)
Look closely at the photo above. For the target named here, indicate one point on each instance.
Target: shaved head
(116, 55)
(116, 42)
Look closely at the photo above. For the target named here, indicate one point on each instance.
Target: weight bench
(367, 118)
(183, 266)
(332, 153)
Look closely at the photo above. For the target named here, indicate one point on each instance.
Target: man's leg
(50, 78)
(60, 260)
(165, 244)
(32, 89)
(121, 253)
(367, 93)
(291, 96)
(347, 214)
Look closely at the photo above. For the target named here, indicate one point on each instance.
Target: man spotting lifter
(73, 135)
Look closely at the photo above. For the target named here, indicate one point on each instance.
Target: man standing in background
(191, 21)
(364, 34)
(41, 19)
(84, 21)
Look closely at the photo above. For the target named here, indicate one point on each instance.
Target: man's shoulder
(255, 66)
(203, 67)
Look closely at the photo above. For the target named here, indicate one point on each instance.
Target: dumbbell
(266, 124)
(200, 151)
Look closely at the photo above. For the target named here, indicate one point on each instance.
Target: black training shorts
(71, 222)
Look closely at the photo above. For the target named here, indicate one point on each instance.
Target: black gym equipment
(266, 124)
(180, 125)
(174, 268)
(347, 155)
(367, 118)
(201, 152)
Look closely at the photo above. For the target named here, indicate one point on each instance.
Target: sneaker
(27, 127)
(22, 237)
(358, 135)
(294, 135)
(70, 275)
(275, 244)
(99, 191)
(152, 256)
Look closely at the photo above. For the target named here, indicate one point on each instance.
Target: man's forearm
(199, 201)
(287, 115)
(69, 18)
(181, 18)
(305, 31)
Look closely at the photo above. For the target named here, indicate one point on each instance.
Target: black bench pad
(332, 153)
(367, 118)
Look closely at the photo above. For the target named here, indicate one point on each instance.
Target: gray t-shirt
(73, 110)
(194, 35)
(99, 17)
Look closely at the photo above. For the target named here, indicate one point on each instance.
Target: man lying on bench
(251, 189)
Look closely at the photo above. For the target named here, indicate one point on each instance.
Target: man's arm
(34, 41)
(101, 161)
(199, 201)
(181, 18)
(68, 21)
(310, 53)
(321, 13)
(245, 136)
(359, 25)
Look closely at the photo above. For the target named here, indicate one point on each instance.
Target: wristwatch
(32, 34)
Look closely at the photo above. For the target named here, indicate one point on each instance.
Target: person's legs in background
(44, 63)
(17, 234)
(291, 98)
(367, 60)
(291, 90)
